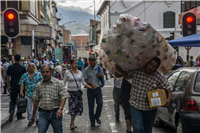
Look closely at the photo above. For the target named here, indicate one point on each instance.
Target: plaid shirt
(29, 84)
(50, 94)
(140, 87)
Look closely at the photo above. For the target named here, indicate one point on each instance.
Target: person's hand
(33, 119)
(22, 94)
(9, 90)
(98, 75)
(167, 103)
(94, 86)
(118, 68)
(59, 113)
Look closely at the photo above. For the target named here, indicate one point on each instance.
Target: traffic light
(11, 22)
(90, 52)
(189, 24)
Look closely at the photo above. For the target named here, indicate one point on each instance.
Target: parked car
(183, 113)
(179, 63)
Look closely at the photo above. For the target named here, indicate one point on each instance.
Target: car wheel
(158, 122)
(179, 127)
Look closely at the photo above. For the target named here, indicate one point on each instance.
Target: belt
(54, 110)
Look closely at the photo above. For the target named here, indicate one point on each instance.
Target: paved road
(108, 119)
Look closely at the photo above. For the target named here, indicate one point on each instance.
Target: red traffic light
(11, 16)
(189, 19)
(90, 51)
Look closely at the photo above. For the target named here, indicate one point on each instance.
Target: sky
(81, 5)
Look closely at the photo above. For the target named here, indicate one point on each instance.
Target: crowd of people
(46, 95)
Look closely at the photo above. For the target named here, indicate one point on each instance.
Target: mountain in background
(80, 16)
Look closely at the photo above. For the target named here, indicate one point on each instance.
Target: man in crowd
(80, 64)
(191, 62)
(92, 76)
(29, 81)
(125, 96)
(58, 68)
(14, 71)
(143, 79)
(5, 67)
(117, 94)
(50, 94)
(36, 62)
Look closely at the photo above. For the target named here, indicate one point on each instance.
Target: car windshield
(197, 84)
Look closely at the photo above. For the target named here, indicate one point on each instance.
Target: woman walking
(74, 78)
(2, 78)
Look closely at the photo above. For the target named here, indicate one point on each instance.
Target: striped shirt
(71, 86)
(50, 94)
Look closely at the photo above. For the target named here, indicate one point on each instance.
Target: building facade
(36, 19)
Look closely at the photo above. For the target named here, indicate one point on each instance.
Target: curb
(6, 120)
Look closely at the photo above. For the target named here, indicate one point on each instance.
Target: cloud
(76, 9)
(85, 5)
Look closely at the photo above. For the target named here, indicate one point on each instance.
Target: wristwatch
(61, 108)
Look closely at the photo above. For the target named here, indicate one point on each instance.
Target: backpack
(101, 79)
(58, 76)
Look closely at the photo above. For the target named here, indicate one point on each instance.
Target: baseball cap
(92, 57)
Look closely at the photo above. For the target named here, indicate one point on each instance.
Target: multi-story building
(81, 41)
(35, 20)
(162, 15)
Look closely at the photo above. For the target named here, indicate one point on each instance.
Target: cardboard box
(157, 98)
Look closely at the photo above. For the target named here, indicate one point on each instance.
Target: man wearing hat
(144, 80)
(92, 76)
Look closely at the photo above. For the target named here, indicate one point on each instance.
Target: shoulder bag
(80, 92)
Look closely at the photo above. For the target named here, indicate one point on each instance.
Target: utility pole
(94, 24)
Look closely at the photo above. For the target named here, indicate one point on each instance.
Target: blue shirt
(80, 63)
(90, 74)
(53, 60)
(29, 84)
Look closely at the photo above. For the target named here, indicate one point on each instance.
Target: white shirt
(58, 69)
(72, 86)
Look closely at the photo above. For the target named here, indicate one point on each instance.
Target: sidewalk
(4, 109)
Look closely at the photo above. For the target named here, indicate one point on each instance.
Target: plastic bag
(131, 43)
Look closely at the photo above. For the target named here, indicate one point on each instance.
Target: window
(169, 20)
(13, 4)
(172, 78)
(3, 5)
(181, 82)
(197, 83)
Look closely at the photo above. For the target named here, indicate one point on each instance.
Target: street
(107, 118)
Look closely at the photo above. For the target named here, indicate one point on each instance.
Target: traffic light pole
(10, 51)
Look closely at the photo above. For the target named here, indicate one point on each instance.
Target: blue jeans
(92, 95)
(142, 121)
(47, 118)
(30, 101)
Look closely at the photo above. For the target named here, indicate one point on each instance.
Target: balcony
(189, 4)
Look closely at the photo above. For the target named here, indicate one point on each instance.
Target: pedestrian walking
(191, 62)
(25, 62)
(5, 67)
(14, 71)
(50, 94)
(74, 78)
(29, 81)
(195, 62)
(85, 63)
(143, 80)
(117, 93)
(2, 79)
(125, 96)
(80, 64)
(91, 77)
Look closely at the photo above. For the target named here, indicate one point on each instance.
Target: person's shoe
(92, 124)
(11, 116)
(128, 131)
(23, 117)
(117, 120)
(30, 124)
(36, 123)
(98, 121)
